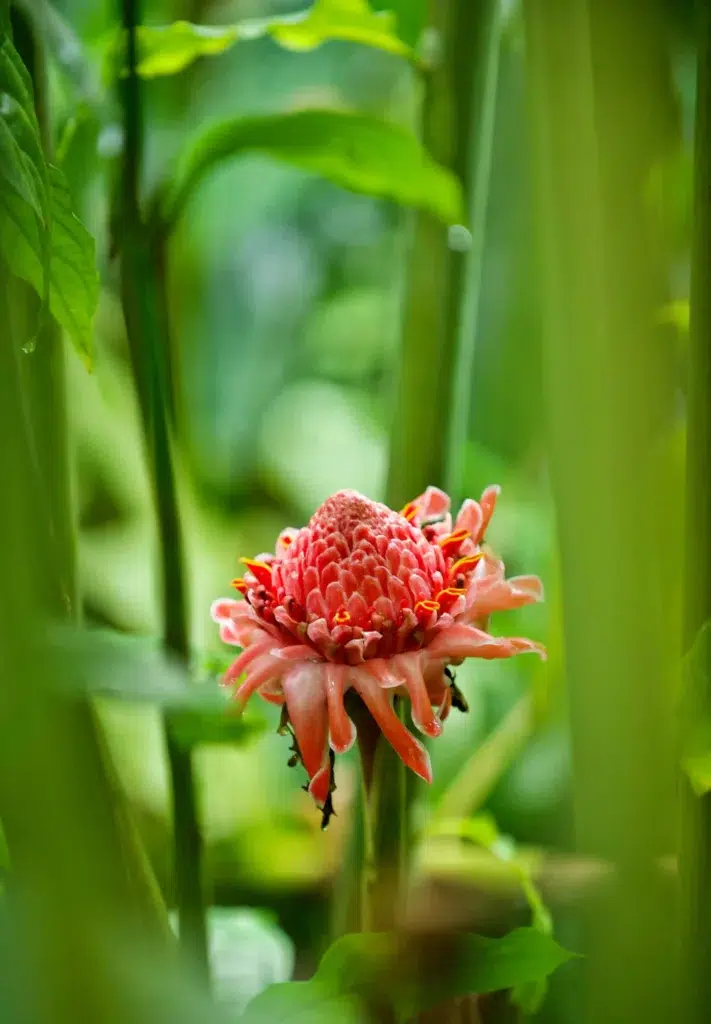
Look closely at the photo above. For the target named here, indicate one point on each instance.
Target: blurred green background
(284, 296)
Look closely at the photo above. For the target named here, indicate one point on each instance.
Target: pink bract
(377, 601)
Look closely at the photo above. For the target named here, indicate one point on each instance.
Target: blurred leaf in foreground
(357, 151)
(73, 277)
(373, 969)
(483, 831)
(168, 49)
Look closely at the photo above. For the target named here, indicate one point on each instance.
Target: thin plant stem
(140, 297)
(695, 855)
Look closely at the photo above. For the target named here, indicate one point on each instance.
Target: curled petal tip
(320, 785)
(220, 610)
(432, 727)
(419, 760)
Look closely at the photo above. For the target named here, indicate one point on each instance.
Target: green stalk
(431, 404)
(695, 858)
(598, 80)
(141, 303)
(456, 127)
(41, 380)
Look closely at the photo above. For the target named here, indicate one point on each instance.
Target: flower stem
(695, 855)
(388, 812)
(140, 297)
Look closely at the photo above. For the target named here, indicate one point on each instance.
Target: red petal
(378, 703)
(342, 730)
(494, 595)
(460, 641)
(470, 518)
(241, 664)
(488, 504)
(423, 714)
(306, 701)
(266, 670)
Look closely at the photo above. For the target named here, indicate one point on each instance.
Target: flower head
(376, 601)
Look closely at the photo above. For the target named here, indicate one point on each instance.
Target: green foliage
(168, 49)
(483, 831)
(40, 238)
(218, 726)
(101, 663)
(357, 151)
(351, 20)
(374, 970)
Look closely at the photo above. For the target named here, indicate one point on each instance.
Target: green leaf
(357, 151)
(304, 1002)
(74, 281)
(25, 204)
(481, 965)
(376, 969)
(168, 49)
(14, 169)
(483, 831)
(220, 726)
(104, 663)
(350, 20)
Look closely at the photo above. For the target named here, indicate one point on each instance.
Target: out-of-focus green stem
(388, 850)
(41, 382)
(456, 125)
(597, 80)
(141, 303)
(695, 859)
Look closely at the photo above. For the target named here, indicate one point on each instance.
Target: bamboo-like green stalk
(41, 383)
(597, 74)
(695, 859)
(456, 126)
(431, 406)
(141, 304)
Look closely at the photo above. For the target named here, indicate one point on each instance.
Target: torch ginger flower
(377, 601)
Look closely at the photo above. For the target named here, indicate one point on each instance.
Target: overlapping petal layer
(376, 601)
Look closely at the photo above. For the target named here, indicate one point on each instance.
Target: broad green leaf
(25, 203)
(304, 1002)
(377, 969)
(480, 965)
(357, 151)
(104, 663)
(351, 20)
(219, 726)
(74, 281)
(483, 831)
(168, 49)
(14, 169)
